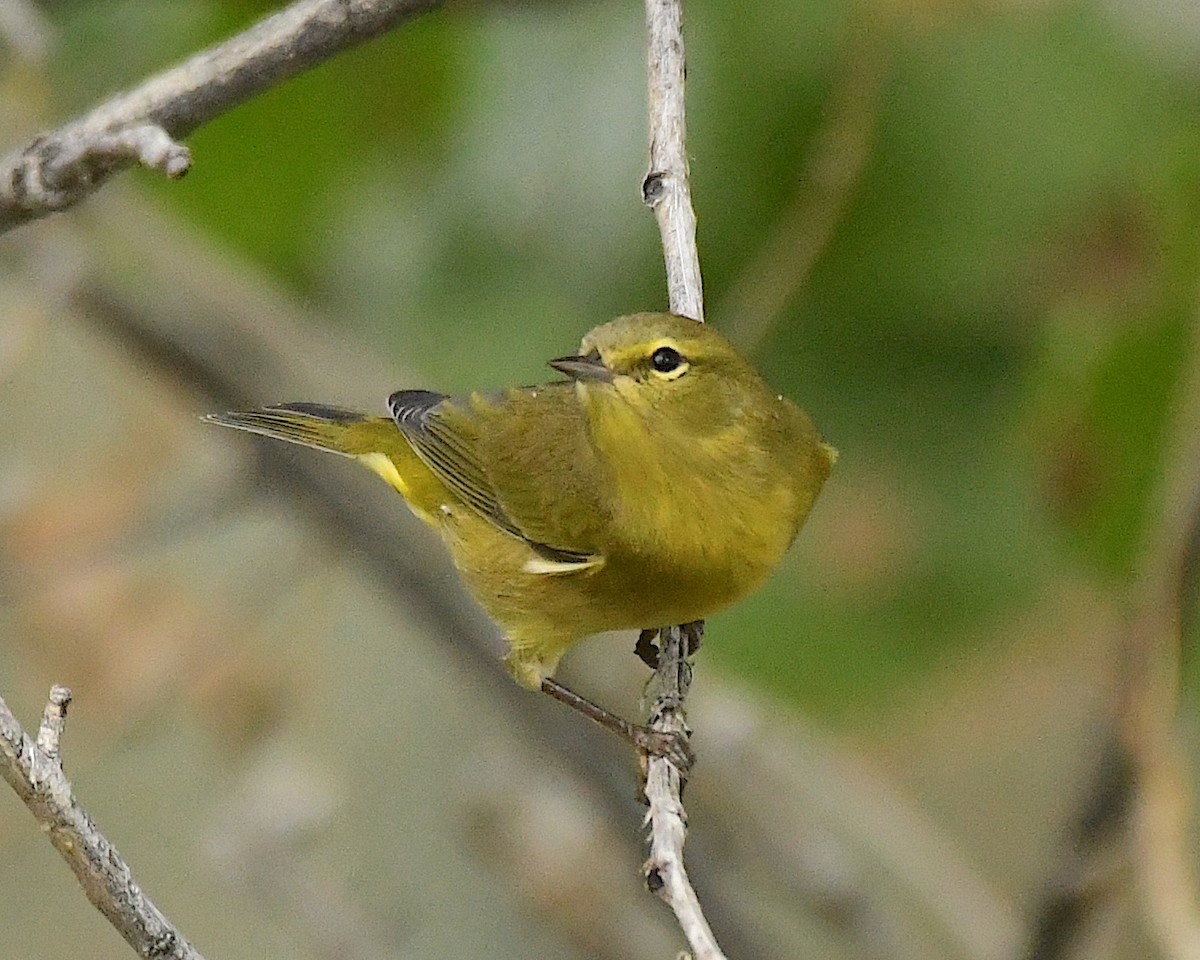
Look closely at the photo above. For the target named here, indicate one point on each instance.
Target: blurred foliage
(991, 336)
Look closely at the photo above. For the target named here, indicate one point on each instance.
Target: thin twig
(35, 772)
(666, 191)
(664, 869)
(58, 169)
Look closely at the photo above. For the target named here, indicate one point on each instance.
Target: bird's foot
(649, 742)
(674, 747)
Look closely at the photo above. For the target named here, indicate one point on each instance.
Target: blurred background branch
(1135, 821)
(1162, 845)
(24, 29)
(838, 154)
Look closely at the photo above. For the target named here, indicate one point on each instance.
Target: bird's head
(664, 368)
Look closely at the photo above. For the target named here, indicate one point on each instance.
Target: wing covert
(449, 439)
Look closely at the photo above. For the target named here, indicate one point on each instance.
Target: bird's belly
(657, 590)
(686, 565)
(638, 585)
(656, 602)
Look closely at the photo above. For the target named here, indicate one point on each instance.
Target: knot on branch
(654, 187)
(654, 879)
(163, 946)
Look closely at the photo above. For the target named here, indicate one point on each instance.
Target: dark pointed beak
(589, 366)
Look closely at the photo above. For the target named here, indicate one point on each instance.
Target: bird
(658, 482)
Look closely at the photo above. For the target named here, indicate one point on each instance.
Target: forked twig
(34, 770)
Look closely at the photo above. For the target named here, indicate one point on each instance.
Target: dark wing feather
(445, 453)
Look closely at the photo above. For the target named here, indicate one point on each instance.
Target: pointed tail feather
(375, 442)
(347, 432)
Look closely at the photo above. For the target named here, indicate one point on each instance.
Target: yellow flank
(660, 482)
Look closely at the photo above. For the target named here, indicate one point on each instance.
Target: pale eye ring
(666, 359)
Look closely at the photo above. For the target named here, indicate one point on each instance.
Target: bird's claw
(674, 747)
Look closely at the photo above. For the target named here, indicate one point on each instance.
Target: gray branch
(665, 190)
(56, 170)
(666, 818)
(35, 772)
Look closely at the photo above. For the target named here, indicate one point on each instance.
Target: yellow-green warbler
(660, 482)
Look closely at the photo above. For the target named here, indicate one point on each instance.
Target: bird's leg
(670, 746)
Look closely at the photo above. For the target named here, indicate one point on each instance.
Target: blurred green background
(963, 235)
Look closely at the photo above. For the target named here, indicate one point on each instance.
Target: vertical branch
(1141, 797)
(667, 819)
(666, 191)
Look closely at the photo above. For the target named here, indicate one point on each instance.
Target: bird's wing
(455, 438)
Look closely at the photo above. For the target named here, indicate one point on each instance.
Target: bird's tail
(375, 442)
(347, 432)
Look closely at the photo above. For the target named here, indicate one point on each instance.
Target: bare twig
(54, 721)
(666, 191)
(58, 169)
(665, 873)
(35, 772)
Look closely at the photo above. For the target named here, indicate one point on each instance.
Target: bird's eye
(666, 359)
